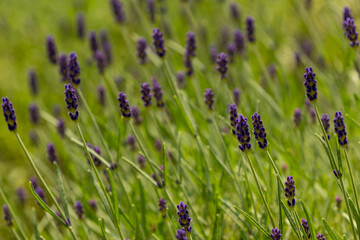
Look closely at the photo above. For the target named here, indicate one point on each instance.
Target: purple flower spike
(101, 95)
(213, 53)
(239, 41)
(93, 42)
(80, 25)
(145, 94)
(347, 14)
(100, 61)
(61, 127)
(190, 44)
(21, 193)
(162, 207)
(325, 122)
(124, 105)
(231, 48)
(181, 234)
(320, 237)
(310, 84)
(222, 64)
(350, 32)
(136, 115)
(275, 234)
(250, 28)
(234, 11)
(51, 152)
(96, 160)
(290, 191)
(34, 114)
(151, 9)
(297, 117)
(93, 204)
(236, 94)
(259, 131)
(340, 130)
(209, 98)
(305, 225)
(33, 82)
(180, 77)
(7, 216)
(79, 209)
(71, 100)
(118, 11)
(141, 50)
(40, 192)
(188, 64)
(158, 41)
(51, 49)
(243, 134)
(9, 113)
(74, 69)
(106, 45)
(233, 117)
(63, 67)
(184, 218)
(158, 94)
(141, 161)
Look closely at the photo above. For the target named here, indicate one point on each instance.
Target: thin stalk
(260, 190)
(352, 178)
(348, 207)
(274, 167)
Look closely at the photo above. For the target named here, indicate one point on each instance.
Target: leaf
(355, 213)
(145, 175)
(309, 219)
(331, 232)
(114, 196)
(60, 184)
(290, 218)
(102, 227)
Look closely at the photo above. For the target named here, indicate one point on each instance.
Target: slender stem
(275, 168)
(259, 188)
(351, 178)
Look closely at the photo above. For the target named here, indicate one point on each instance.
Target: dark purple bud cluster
(158, 94)
(250, 28)
(63, 67)
(181, 234)
(145, 94)
(118, 11)
(21, 194)
(209, 98)
(92, 204)
(347, 14)
(236, 96)
(310, 84)
(297, 117)
(34, 114)
(151, 9)
(93, 43)
(136, 115)
(141, 161)
(231, 48)
(141, 50)
(340, 130)
(71, 100)
(100, 58)
(239, 41)
(33, 82)
(184, 218)
(233, 117)
(124, 105)
(7, 216)
(131, 141)
(158, 41)
(350, 28)
(101, 95)
(60, 126)
(320, 237)
(80, 25)
(51, 49)
(213, 53)
(325, 120)
(275, 234)
(106, 46)
(290, 191)
(95, 159)
(9, 113)
(162, 207)
(188, 64)
(79, 209)
(222, 61)
(259, 131)
(242, 133)
(190, 45)
(305, 225)
(160, 182)
(51, 152)
(74, 69)
(180, 77)
(40, 192)
(234, 11)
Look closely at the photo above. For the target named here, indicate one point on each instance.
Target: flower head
(181, 234)
(236, 93)
(145, 94)
(79, 209)
(320, 237)
(141, 50)
(21, 194)
(60, 126)
(136, 115)
(63, 67)
(184, 218)
(51, 152)
(213, 53)
(80, 25)
(106, 45)
(124, 105)
(118, 10)
(40, 192)
(242, 133)
(350, 32)
(95, 159)
(141, 161)
(100, 61)
(93, 204)
(158, 41)
(51, 49)
(101, 94)
(310, 84)
(222, 61)
(234, 11)
(180, 77)
(239, 41)
(259, 131)
(151, 9)
(209, 98)
(297, 117)
(9, 113)
(325, 122)
(275, 234)
(158, 94)
(290, 191)
(34, 113)
(190, 45)
(231, 48)
(250, 28)
(7, 216)
(93, 43)
(305, 225)
(233, 117)
(74, 69)
(71, 100)
(340, 130)
(33, 82)
(162, 207)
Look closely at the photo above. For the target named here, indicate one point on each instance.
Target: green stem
(259, 188)
(275, 168)
(351, 178)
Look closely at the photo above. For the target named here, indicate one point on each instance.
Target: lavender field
(197, 119)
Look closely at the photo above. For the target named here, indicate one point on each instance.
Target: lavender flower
(33, 82)
(233, 117)
(71, 100)
(63, 67)
(141, 161)
(95, 159)
(40, 192)
(243, 134)
(234, 11)
(93, 204)
(310, 84)
(51, 49)
(158, 42)
(118, 10)
(131, 141)
(79, 209)
(347, 14)
(297, 117)
(124, 105)
(158, 93)
(9, 113)
(338, 201)
(250, 28)
(160, 182)
(239, 41)
(231, 48)
(305, 225)
(222, 64)
(136, 115)
(151, 9)
(106, 45)
(180, 77)
(320, 237)
(188, 64)
(158, 145)
(60, 126)
(51, 152)
(34, 182)
(313, 116)
(184, 218)
(93, 42)
(213, 53)
(181, 234)
(74, 69)
(21, 193)
(162, 207)
(275, 234)
(80, 25)
(259, 131)
(190, 44)
(145, 94)
(290, 191)
(34, 113)
(236, 96)
(100, 61)
(325, 122)
(101, 95)
(340, 130)
(141, 50)
(209, 98)
(7, 216)
(350, 32)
